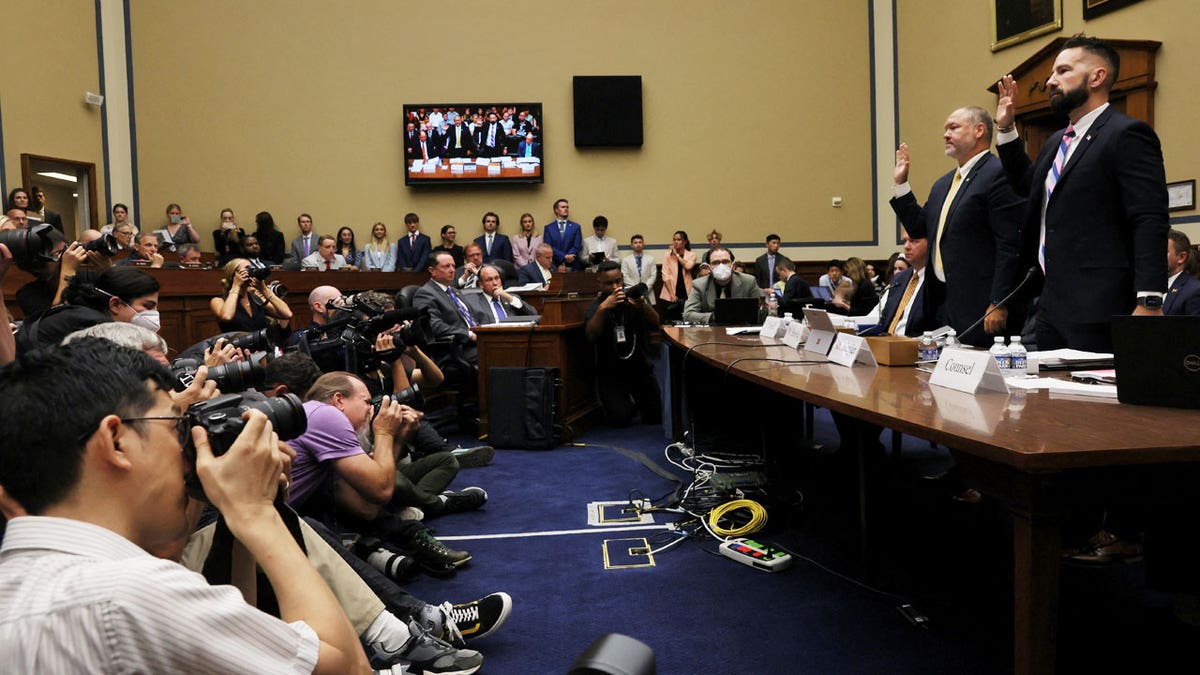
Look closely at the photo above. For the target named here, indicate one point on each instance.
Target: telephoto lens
(29, 248)
(106, 245)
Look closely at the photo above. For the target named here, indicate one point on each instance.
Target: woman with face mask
(122, 294)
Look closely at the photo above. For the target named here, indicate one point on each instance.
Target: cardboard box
(894, 351)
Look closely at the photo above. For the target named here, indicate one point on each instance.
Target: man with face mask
(722, 283)
(619, 328)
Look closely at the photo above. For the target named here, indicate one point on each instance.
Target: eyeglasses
(181, 426)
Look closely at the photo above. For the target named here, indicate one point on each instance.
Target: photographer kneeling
(618, 325)
(105, 485)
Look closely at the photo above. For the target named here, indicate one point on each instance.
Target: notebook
(1157, 360)
(735, 312)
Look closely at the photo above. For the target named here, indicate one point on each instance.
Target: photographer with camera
(104, 486)
(8, 345)
(618, 325)
(248, 299)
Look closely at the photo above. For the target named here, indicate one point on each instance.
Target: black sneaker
(428, 653)
(425, 548)
(469, 458)
(473, 620)
(467, 499)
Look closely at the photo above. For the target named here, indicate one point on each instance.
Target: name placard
(796, 333)
(968, 370)
(772, 327)
(851, 349)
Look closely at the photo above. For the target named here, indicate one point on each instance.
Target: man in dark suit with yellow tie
(972, 221)
(913, 297)
(1096, 217)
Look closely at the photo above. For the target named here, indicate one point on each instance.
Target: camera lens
(29, 248)
(106, 245)
(259, 273)
(236, 376)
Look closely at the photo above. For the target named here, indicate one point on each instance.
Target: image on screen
(473, 143)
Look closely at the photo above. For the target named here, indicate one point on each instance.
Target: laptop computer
(735, 312)
(1157, 359)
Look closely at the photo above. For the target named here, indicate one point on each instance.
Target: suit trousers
(418, 483)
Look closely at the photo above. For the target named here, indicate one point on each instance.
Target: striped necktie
(1052, 177)
(462, 308)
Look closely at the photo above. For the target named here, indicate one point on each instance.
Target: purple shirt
(329, 436)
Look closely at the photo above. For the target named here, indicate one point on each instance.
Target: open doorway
(70, 189)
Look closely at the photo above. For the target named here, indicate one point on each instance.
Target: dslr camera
(230, 377)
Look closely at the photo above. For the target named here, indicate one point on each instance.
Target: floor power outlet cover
(756, 555)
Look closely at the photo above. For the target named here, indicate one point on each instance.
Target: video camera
(221, 417)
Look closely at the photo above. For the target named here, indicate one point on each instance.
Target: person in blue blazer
(565, 237)
(499, 247)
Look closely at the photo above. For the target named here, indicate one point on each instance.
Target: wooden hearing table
(1040, 456)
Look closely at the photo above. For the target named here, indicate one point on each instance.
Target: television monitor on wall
(473, 143)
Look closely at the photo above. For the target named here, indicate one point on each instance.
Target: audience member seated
(639, 267)
(619, 329)
(379, 255)
(450, 318)
(227, 238)
(722, 283)
(861, 298)
(795, 290)
(325, 258)
(1183, 290)
(467, 275)
(189, 256)
(834, 279)
(253, 253)
(677, 272)
(14, 219)
(102, 487)
(247, 301)
(525, 242)
(764, 265)
(495, 246)
(145, 252)
(120, 214)
(538, 271)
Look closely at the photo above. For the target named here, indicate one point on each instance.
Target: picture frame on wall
(1095, 8)
(1015, 21)
(1181, 195)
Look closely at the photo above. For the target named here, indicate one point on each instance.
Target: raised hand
(900, 173)
(1007, 90)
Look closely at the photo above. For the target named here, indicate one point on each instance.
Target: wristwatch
(1150, 301)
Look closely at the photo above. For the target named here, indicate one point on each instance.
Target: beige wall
(295, 106)
(42, 88)
(931, 32)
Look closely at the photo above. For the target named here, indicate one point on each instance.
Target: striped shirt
(78, 598)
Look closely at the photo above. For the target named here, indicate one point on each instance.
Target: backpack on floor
(523, 408)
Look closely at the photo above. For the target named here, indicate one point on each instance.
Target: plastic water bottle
(952, 338)
(928, 349)
(1000, 353)
(787, 319)
(772, 304)
(1017, 356)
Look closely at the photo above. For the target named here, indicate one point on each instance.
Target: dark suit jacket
(795, 290)
(54, 218)
(444, 318)
(501, 247)
(1183, 298)
(565, 244)
(762, 272)
(481, 138)
(1106, 226)
(432, 147)
(530, 274)
(467, 141)
(922, 315)
(480, 308)
(981, 244)
(537, 149)
(298, 253)
(412, 258)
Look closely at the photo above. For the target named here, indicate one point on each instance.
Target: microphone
(1028, 276)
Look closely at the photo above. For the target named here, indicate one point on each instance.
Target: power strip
(757, 555)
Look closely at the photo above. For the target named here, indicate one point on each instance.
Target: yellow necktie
(904, 299)
(941, 231)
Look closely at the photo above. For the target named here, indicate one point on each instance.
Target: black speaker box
(608, 111)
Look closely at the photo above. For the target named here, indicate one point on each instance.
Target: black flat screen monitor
(473, 143)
